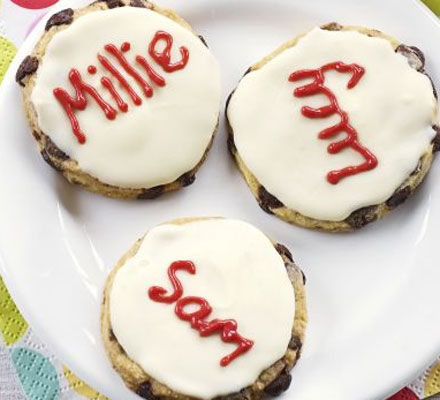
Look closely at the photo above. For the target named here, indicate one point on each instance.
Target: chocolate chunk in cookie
(284, 251)
(145, 391)
(362, 217)
(27, 67)
(63, 17)
(415, 56)
(399, 197)
(279, 384)
(152, 193)
(267, 201)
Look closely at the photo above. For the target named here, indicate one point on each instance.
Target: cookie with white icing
(171, 300)
(122, 98)
(335, 128)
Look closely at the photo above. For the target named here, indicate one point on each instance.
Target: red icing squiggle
(159, 294)
(80, 102)
(112, 49)
(351, 140)
(152, 74)
(162, 58)
(114, 71)
(227, 328)
(107, 83)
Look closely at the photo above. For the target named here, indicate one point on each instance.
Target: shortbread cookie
(122, 98)
(205, 308)
(335, 128)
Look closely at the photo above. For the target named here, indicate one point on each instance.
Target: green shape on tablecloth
(12, 324)
(7, 53)
(37, 374)
(434, 5)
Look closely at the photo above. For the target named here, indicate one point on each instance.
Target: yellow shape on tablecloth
(432, 382)
(7, 53)
(81, 387)
(12, 324)
(434, 5)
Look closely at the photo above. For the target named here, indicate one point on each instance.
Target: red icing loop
(163, 58)
(80, 103)
(228, 328)
(351, 140)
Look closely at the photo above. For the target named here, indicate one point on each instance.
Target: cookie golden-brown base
(273, 381)
(62, 162)
(359, 218)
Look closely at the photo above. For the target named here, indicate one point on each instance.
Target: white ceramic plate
(372, 295)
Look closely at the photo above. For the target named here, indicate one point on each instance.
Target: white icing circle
(241, 275)
(151, 144)
(392, 108)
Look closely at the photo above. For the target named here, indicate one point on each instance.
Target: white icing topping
(239, 273)
(392, 108)
(151, 144)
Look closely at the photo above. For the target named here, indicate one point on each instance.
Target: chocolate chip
(436, 140)
(52, 149)
(304, 277)
(144, 390)
(231, 144)
(399, 197)
(279, 384)
(49, 160)
(63, 17)
(416, 58)
(362, 217)
(187, 179)
(111, 335)
(332, 26)
(137, 3)
(419, 167)
(268, 201)
(114, 3)
(284, 251)
(295, 343)
(36, 135)
(151, 193)
(27, 67)
(203, 41)
(247, 71)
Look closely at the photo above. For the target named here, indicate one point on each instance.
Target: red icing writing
(91, 69)
(80, 102)
(125, 47)
(227, 328)
(162, 58)
(351, 139)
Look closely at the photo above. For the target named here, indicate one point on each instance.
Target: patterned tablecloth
(28, 370)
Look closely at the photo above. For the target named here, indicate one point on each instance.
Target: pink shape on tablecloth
(404, 394)
(34, 4)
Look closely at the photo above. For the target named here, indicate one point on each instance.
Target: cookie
(335, 128)
(128, 112)
(205, 308)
